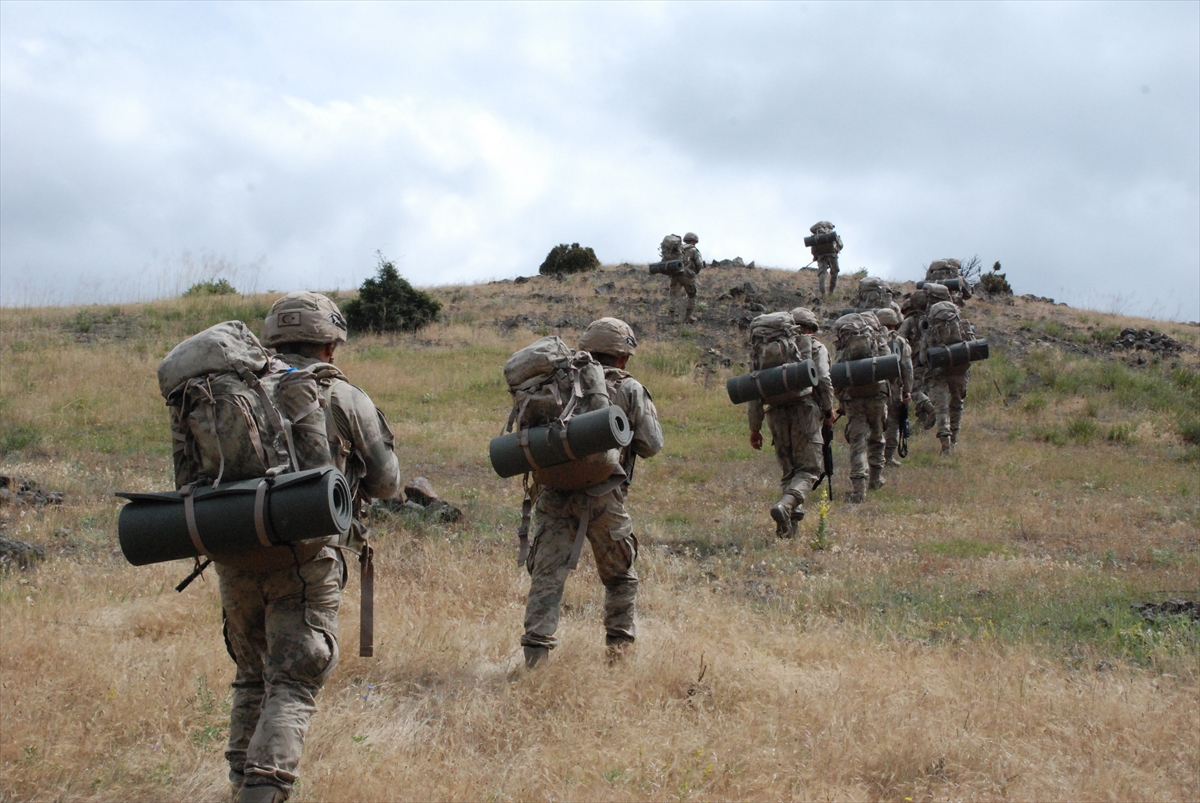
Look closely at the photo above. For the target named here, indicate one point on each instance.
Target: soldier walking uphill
(795, 421)
(947, 387)
(826, 256)
(899, 389)
(280, 604)
(865, 407)
(685, 280)
(564, 518)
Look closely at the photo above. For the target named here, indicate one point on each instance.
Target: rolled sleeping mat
(236, 517)
(668, 267)
(540, 447)
(772, 382)
(953, 285)
(957, 354)
(857, 373)
(824, 238)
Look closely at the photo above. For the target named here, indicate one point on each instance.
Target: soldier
(947, 387)
(693, 263)
(865, 407)
(949, 268)
(826, 256)
(913, 309)
(873, 293)
(796, 429)
(565, 518)
(899, 389)
(281, 605)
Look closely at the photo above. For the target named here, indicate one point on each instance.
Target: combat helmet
(304, 317)
(804, 317)
(609, 336)
(691, 237)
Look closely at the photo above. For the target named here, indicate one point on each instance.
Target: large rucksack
(855, 338)
(238, 413)
(873, 293)
(944, 325)
(671, 248)
(774, 340)
(943, 269)
(550, 383)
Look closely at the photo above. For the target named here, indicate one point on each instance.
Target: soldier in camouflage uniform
(899, 389)
(865, 408)
(597, 513)
(913, 309)
(685, 281)
(796, 430)
(827, 263)
(947, 387)
(280, 604)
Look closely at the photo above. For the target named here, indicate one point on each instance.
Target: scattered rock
(1132, 339)
(736, 262)
(754, 306)
(420, 490)
(520, 280)
(1179, 607)
(20, 553)
(608, 288)
(23, 491)
(517, 320)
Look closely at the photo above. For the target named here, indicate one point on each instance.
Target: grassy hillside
(966, 633)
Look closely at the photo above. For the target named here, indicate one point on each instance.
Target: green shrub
(1122, 434)
(388, 303)
(1189, 430)
(14, 437)
(211, 287)
(995, 283)
(571, 258)
(1081, 430)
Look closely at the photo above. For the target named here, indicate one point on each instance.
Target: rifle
(827, 456)
(905, 429)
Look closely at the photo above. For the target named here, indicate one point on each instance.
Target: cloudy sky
(143, 143)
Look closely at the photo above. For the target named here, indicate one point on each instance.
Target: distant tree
(995, 282)
(388, 303)
(210, 287)
(971, 269)
(571, 258)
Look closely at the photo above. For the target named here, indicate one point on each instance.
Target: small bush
(14, 437)
(1189, 430)
(995, 284)
(1122, 434)
(1081, 430)
(388, 303)
(572, 258)
(211, 287)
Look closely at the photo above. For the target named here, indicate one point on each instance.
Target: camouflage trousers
(796, 436)
(865, 419)
(610, 532)
(281, 630)
(947, 392)
(827, 264)
(682, 283)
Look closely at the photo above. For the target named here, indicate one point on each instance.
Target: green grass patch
(963, 548)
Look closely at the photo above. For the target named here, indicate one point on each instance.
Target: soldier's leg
(555, 525)
(891, 434)
(822, 270)
(877, 410)
(788, 439)
(857, 431)
(614, 546)
(302, 650)
(244, 614)
(672, 293)
(939, 396)
(689, 315)
(833, 273)
(958, 392)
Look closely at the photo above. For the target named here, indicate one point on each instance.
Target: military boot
(535, 655)
(947, 445)
(858, 491)
(262, 793)
(889, 457)
(877, 481)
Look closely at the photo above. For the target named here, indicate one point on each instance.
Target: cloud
(466, 139)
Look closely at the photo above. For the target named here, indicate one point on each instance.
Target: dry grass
(967, 636)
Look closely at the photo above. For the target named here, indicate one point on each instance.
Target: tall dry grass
(967, 635)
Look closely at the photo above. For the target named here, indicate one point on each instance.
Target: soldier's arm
(643, 418)
(824, 388)
(372, 438)
(906, 371)
(756, 414)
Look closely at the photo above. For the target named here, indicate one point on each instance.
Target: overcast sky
(288, 142)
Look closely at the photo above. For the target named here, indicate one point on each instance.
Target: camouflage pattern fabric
(684, 282)
(281, 630)
(827, 264)
(898, 388)
(692, 259)
(610, 532)
(609, 529)
(796, 437)
(865, 419)
(947, 392)
(281, 624)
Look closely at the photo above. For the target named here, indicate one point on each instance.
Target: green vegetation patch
(963, 548)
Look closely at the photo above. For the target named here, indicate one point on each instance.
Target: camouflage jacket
(692, 259)
(633, 398)
(901, 386)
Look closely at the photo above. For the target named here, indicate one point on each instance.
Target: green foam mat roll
(856, 373)
(957, 354)
(771, 383)
(153, 527)
(586, 434)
